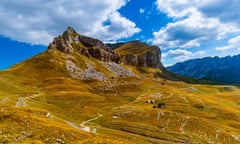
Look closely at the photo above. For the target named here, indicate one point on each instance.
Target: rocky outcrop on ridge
(71, 42)
(140, 54)
(148, 59)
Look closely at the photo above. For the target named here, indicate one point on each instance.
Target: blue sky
(183, 29)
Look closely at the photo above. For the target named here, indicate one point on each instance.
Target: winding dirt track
(83, 127)
(21, 100)
(21, 103)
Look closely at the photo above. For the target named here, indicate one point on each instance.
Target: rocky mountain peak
(132, 53)
(70, 34)
(71, 42)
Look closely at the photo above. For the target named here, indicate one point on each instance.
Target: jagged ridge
(133, 53)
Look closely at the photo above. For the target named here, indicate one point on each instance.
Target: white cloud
(141, 10)
(177, 8)
(191, 26)
(190, 32)
(38, 21)
(120, 27)
(233, 43)
(182, 54)
(198, 22)
(224, 10)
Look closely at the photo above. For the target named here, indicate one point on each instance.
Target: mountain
(224, 70)
(133, 53)
(84, 91)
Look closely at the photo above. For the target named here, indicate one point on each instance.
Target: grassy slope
(192, 113)
(134, 47)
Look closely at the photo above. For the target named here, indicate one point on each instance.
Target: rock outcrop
(83, 74)
(150, 59)
(71, 42)
(141, 55)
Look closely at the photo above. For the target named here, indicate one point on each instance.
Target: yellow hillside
(57, 97)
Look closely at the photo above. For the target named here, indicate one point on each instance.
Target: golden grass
(135, 47)
(192, 113)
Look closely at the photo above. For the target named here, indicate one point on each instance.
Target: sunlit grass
(191, 113)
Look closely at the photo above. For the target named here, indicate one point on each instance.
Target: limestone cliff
(132, 53)
(140, 54)
(71, 42)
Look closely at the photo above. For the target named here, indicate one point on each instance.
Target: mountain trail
(83, 127)
(84, 122)
(21, 100)
(183, 125)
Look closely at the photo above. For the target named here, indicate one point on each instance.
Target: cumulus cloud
(190, 32)
(119, 27)
(191, 26)
(38, 21)
(197, 22)
(177, 8)
(182, 54)
(233, 43)
(224, 10)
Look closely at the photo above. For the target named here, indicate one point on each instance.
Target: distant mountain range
(224, 70)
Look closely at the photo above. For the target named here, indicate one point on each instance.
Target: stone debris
(83, 74)
(118, 69)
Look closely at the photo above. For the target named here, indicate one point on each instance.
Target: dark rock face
(149, 59)
(71, 42)
(104, 55)
(153, 58)
(129, 59)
